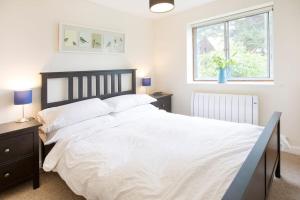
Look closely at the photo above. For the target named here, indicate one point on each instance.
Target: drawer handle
(6, 175)
(7, 150)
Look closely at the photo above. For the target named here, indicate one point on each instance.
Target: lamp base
(22, 120)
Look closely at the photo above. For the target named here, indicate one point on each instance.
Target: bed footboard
(255, 177)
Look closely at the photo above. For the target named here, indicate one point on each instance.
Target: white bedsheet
(152, 155)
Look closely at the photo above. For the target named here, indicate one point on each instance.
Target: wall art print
(73, 38)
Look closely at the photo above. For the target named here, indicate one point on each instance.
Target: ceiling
(141, 7)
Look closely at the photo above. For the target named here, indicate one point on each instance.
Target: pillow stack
(66, 115)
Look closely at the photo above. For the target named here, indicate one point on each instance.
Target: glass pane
(248, 45)
(209, 41)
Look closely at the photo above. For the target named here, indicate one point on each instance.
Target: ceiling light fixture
(161, 6)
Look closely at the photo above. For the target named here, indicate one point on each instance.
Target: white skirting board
(286, 147)
(293, 150)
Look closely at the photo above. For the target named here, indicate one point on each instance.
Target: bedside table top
(14, 126)
(160, 95)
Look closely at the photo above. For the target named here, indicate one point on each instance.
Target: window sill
(256, 83)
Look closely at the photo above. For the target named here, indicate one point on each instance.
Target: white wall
(29, 44)
(171, 69)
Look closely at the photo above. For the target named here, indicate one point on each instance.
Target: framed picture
(97, 40)
(73, 38)
(114, 42)
(85, 40)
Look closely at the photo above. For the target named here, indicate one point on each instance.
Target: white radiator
(235, 108)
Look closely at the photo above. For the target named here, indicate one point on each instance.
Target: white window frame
(226, 19)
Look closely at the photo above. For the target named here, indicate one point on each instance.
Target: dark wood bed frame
(254, 179)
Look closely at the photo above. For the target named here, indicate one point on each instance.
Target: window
(244, 38)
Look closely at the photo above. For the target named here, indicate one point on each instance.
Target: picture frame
(76, 38)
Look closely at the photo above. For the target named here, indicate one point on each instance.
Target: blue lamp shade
(22, 97)
(146, 81)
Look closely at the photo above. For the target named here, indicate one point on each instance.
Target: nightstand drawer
(19, 153)
(16, 147)
(16, 172)
(166, 103)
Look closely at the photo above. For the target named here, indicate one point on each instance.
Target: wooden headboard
(111, 80)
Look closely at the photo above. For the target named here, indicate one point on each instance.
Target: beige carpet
(288, 186)
(53, 188)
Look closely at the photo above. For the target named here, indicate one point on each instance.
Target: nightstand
(163, 101)
(19, 153)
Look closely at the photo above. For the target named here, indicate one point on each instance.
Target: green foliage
(247, 40)
(244, 64)
(221, 62)
(249, 32)
(249, 64)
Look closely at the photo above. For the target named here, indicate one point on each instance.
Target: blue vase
(222, 76)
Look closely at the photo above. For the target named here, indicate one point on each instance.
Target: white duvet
(148, 154)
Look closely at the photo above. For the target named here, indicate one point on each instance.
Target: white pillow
(62, 116)
(125, 102)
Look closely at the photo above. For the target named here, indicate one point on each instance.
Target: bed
(151, 154)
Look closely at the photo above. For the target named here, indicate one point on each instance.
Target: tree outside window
(244, 40)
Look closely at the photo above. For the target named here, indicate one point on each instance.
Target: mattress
(149, 154)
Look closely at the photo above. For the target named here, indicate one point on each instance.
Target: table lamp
(146, 82)
(22, 98)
